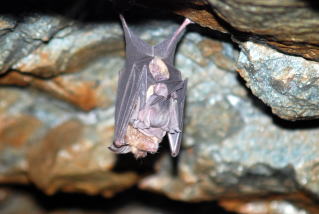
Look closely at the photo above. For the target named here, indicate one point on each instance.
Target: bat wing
(135, 47)
(132, 83)
(166, 49)
(173, 84)
(176, 85)
(132, 86)
(176, 137)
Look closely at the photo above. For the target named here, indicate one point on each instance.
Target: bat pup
(150, 96)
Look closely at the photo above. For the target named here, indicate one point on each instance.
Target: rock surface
(18, 39)
(55, 145)
(291, 26)
(270, 206)
(74, 158)
(233, 146)
(288, 84)
(57, 107)
(15, 200)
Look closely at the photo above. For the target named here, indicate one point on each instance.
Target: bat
(150, 96)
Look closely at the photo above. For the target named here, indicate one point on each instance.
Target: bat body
(150, 96)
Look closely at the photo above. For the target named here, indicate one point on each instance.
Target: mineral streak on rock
(85, 95)
(288, 84)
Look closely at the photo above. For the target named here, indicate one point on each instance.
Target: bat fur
(150, 96)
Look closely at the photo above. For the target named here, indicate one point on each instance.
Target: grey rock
(18, 39)
(72, 49)
(26, 161)
(288, 84)
(231, 146)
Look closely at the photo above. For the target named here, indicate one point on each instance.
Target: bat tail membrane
(166, 49)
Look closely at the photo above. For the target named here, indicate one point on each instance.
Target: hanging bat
(150, 96)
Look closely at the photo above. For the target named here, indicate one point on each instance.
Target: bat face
(150, 96)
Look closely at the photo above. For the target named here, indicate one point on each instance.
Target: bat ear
(166, 49)
(133, 42)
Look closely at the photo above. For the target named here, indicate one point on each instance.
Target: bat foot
(188, 21)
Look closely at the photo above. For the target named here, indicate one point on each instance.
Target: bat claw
(188, 21)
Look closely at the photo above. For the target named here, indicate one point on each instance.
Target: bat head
(140, 144)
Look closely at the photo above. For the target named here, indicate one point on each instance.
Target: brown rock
(291, 26)
(70, 51)
(201, 14)
(196, 10)
(25, 125)
(16, 135)
(283, 204)
(70, 159)
(82, 94)
(213, 50)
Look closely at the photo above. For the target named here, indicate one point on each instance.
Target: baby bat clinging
(150, 96)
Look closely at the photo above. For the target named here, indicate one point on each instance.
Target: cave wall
(252, 68)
